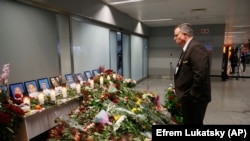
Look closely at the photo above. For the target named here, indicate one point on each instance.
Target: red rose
(73, 131)
(171, 97)
(109, 71)
(85, 92)
(18, 96)
(5, 118)
(99, 127)
(117, 86)
(81, 109)
(177, 105)
(116, 100)
(18, 111)
(15, 109)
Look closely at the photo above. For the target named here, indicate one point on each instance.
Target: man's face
(79, 78)
(31, 88)
(44, 86)
(18, 90)
(179, 37)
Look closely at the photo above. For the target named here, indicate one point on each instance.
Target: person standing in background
(243, 58)
(192, 76)
(233, 60)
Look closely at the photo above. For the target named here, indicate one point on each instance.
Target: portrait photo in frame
(95, 72)
(55, 81)
(79, 76)
(31, 86)
(16, 88)
(69, 78)
(43, 83)
(4, 88)
(87, 74)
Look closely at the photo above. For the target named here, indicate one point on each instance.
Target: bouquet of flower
(129, 83)
(10, 115)
(173, 106)
(111, 112)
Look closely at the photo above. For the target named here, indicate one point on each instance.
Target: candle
(78, 88)
(26, 100)
(64, 92)
(41, 98)
(92, 83)
(114, 76)
(52, 95)
(108, 77)
(101, 80)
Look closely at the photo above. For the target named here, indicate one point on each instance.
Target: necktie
(179, 62)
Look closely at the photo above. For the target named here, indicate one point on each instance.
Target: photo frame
(43, 83)
(95, 72)
(31, 86)
(79, 76)
(69, 78)
(16, 88)
(4, 88)
(87, 74)
(55, 81)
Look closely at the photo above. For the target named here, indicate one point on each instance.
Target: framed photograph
(95, 72)
(79, 76)
(16, 88)
(31, 86)
(69, 78)
(88, 74)
(4, 88)
(54, 81)
(43, 83)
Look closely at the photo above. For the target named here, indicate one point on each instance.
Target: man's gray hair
(186, 28)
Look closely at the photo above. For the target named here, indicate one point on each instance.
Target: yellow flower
(133, 110)
(138, 101)
(116, 117)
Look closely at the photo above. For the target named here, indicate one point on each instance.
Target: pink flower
(4, 76)
(102, 117)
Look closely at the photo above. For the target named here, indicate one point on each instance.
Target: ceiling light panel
(124, 2)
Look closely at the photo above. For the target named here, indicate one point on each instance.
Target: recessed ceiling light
(123, 2)
(156, 20)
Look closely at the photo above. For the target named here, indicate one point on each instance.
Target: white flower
(118, 123)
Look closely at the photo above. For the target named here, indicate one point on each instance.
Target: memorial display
(111, 110)
(106, 107)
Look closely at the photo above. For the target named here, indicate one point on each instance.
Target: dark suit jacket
(192, 80)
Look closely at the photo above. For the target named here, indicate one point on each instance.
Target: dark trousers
(193, 111)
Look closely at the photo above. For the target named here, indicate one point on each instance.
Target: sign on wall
(204, 31)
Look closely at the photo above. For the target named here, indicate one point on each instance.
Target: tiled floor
(230, 99)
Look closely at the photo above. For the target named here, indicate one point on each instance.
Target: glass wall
(126, 56)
